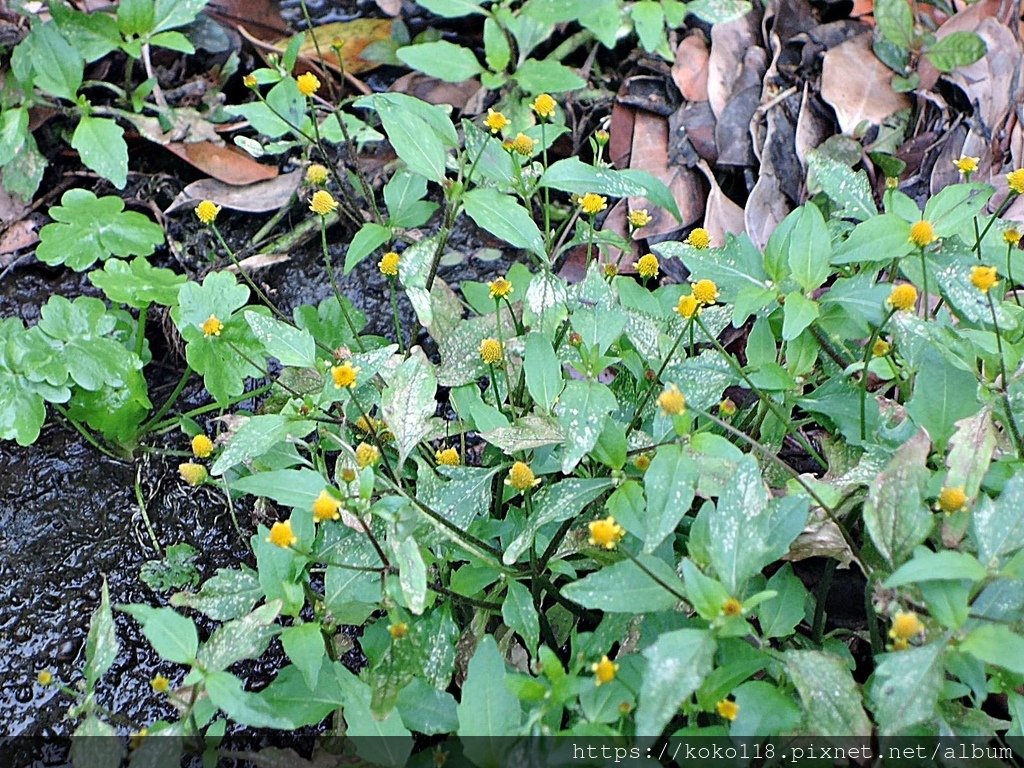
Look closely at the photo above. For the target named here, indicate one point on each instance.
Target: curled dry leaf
(260, 17)
(729, 44)
(821, 538)
(857, 85)
(434, 91)
(260, 197)
(721, 215)
(351, 37)
(224, 163)
(690, 70)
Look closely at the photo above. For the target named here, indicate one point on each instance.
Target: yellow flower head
(905, 625)
(366, 425)
(728, 709)
(308, 83)
(699, 238)
(639, 218)
(495, 121)
(1015, 181)
(322, 202)
(967, 164)
(366, 455)
(672, 401)
(45, 677)
(522, 144)
(1012, 237)
(688, 306)
(892, 182)
(544, 106)
(705, 291)
(136, 737)
(899, 644)
(605, 533)
(212, 326)
(160, 684)
(249, 81)
(500, 287)
(592, 203)
(642, 462)
(984, 278)
(388, 264)
(326, 507)
(647, 266)
(732, 607)
(344, 375)
(727, 408)
(448, 457)
(490, 351)
(317, 175)
(902, 296)
(611, 269)
(192, 473)
(399, 630)
(281, 535)
(348, 475)
(952, 500)
(202, 447)
(521, 477)
(922, 233)
(207, 211)
(604, 670)
(880, 348)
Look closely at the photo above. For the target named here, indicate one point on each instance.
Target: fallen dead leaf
(351, 36)
(20, 235)
(261, 17)
(857, 85)
(228, 164)
(258, 261)
(620, 132)
(821, 538)
(390, 7)
(260, 197)
(813, 126)
(721, 215)
(729, 43)
(434, 91)
(690, 70)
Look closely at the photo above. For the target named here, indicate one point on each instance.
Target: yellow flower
(366, 455)
(727, 408)
(249, 81)
(344, 375)
(639, 218)
(984, 278)
(490, 351)
(880, 348)
(212, 326)
(728, 709)
(202, 446)
(368, 425)
(967, 164)
(1015, 180)
(45, 677)
(592, 204)
(448, 457)
(500, 287)
(611, 269)
(905, 625)
(1012, 237)
(192, 473)
(647, 266)
(207, 211)
(732, 607)
(322, 202)
(922, 233)
(308, 83)
(699, 238)
(688, 306)
(952, 500)
(160, 684)
(326, 507)
(281, 534)
(642, 462)
(496, 121)
(604, 670)
(521, 477)
(672, 401)
(388, 264)
(398, 631)
(348, 475)
(902, 296)
(317, 174)
(544, 106)
(522, 144)
(705, 291)
(892, 182)
(135, 739)
(900, 644)
(605, 533)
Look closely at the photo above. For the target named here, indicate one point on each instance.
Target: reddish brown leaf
(260, 17)
(690, 70)
(351, 36)
(650, 153)
(228, 164)
(858, 86)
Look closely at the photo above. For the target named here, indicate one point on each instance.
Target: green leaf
(832, 702)
(626, 588)
(101, 644)
(137, 283)
(955, 206)
(497, 50)
(649, 21)
(669, 485)
(998, 526)
(547, 76)
(996, 644)
(520, 615)
(970, 451)
(100, 143)
(412, 571)
(957, 49)
(408, 403)
(798, 313)
(719, 11)
(705, 593)
(174, 41)
(136, 17)
(426, 710)
(244, 638)
(895, 21)
(169, 14)
(946, 565)
(504, 218)
(677, 664)
(452, 9)
(581, 411)
(95, 745)
(809, 249)
(573, 175)
(737, 266)
(544, 379)
(58, 67)
(296, 488)
(943, 396)
(13, 130)
(764, 709)
(779, 615)
(257, 436)
(227, 595)
(172, 635)
(487, 708)
(553, 504)
(441, 59)
(304, 644)
(291, 346)
(93, 35)
(894, 513)
(849, 191)
(878, 240)
(227, 693)
(99, 228)
(415, 140)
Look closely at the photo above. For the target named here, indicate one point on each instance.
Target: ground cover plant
(576, 498)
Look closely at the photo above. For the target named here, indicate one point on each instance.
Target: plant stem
(334, 286)
(145, 514)
(399, 336)
(821, 594)
(656, 579)
(84, 432)
(246, 277)
(1011, 422)
(868, 349)
(169, 402)
(167, 424)
(638, 416)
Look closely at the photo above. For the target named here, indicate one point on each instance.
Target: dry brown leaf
(821, 538)
(20, 235)
(259, 261)
(434, 91)
(650, 153)
(729, 44)
(690, 70)
(228, 164)
(993, 82)
(620, 132)
(857, 85)
(260, 197)
(351, 36)
(812, 126)
(390, 7)
(260, 17)
(721, 215)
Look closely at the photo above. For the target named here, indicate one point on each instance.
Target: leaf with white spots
(528, 433)
(998, 526)
(625, 587)
(677, 664)
(581, 411)
(545, 303)
(970, 303)
(970, 451)
(848, 190)
(831, 699)
(228, 595)
(412, 571)
(101, 644)
(737, 265)
(553, 504)
(702, 379)
(669, 486)
(408, 402)
(244, 638)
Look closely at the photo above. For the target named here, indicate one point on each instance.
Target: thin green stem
(638, 416)
(169, 402)
(173, 422)
(868, 351)
(1007, 202)
(654, 577)
(1011, 422)
(820, 596)
(334, 286)
(246, 277)
(84, 432)
(145, 514)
